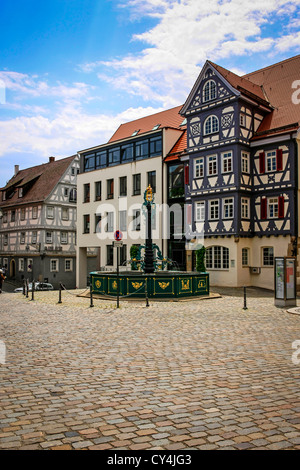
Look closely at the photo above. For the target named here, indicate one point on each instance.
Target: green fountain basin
(160, 285)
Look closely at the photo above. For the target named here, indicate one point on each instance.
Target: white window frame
(50, 212)
(228, 205)
(49, 237)
(64, 213)
(23, 214)
(110, 221)
(211, 125)
(245, 157)
(209, 91)
(200, 211)
(22, 238)
(70, 268)
(267, 258)
(245, 257)
(199, 167)
(273, 207)
(34, 237)
(29, 263)
(34, 212)
(64, 238)
(271, 161)
(217, 258)
(212, 167)
(214, 209)
(54, 265)
(21, 265)
(227, 160)
(123, 220)
(245, 208)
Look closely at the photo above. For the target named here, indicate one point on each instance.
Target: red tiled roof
(276, 81)
(241, 83)
(168, 118)
(43, 179)
(178, 148)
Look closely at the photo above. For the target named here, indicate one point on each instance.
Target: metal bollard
(146, 292)
(24, 287)
(32, 290)
(91, 296)
(245, 299)
(59, 294)
(27, 288)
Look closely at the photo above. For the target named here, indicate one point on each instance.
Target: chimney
(51, 159)
(16, 169)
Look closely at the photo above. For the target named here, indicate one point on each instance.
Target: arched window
(209, 91)
(217, 257)
(211, 125)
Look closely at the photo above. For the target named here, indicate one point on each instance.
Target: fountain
(147, 280)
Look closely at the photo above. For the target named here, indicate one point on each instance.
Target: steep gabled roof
(41, 180)
(276, 81)
(169, 118)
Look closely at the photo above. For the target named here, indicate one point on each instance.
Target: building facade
(111, 185)
(241, 166)
(38, 223)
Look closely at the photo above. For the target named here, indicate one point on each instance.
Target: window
(89, 162)
(123, 185)
(54, 266)
(200, 211)
(22, 238)
(22, 214)
(136, 220)
(66, 190)
(245, 211)
(109, 255)
(98, 219)
(152, 180)
(227, 162)
(20, 193)
(199, 167)
(73, 195)
(211, 125)
(86, 223)
(245, 162)
(86, 192)
(21, 264)
(114, 156)
(5, 217)
(13, 216)
(98, 191)
(268, 256)
(5, 241)
(50, 212)
(123, 220)
(34, 238)
(273, 208)
(242, 119)
(214, 210)
(127, 153)
(48, 237)
(63, 237)
(101, 159)
(110, 222)
(217, 257)
(228, 208)
(212, 165)
(245, 256)
(34, 212)
(176, 180)
(68, 265)
(29, 265)
(110, 189)
(209, 91)
(142, 149)
(271, 161)
(155, 146)
(65, 213)
(136, 184)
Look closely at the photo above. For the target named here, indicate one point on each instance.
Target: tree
(200, 260)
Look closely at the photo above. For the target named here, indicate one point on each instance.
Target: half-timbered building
(38, 223)
(241, 170)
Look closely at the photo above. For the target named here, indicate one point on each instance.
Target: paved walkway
(177, 375)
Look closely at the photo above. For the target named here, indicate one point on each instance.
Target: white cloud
(186, 34)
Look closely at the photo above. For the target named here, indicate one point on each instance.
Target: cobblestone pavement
(200, 374)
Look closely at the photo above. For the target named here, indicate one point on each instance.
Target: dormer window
(135, 133)
(209, 91)
(20, 192)
(211, 125)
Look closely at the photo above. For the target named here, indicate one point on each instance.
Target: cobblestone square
(200, 374)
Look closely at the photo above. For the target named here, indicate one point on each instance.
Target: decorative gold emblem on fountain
(137, 285)
(163, 285)
(185, 285)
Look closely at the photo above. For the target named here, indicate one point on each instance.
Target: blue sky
(71, 71)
